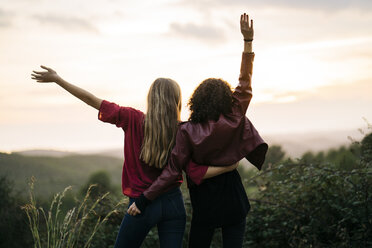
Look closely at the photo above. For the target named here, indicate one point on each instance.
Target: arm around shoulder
(216, 171)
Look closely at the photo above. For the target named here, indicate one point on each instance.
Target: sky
(312, 70)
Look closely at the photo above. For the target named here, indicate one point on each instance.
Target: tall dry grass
(63, 231)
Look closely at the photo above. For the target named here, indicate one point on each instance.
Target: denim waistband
(171, 192)
(174, 191)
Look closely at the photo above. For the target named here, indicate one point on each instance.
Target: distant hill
(54, 173)
(46, 153)
(296, 144)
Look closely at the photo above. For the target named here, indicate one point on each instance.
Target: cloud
(320, 4)
(332, 107)
(356, 92)
(5, 18)
(68, 23)
(203, 33)
(363, 5)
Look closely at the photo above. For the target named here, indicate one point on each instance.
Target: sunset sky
(312, 71)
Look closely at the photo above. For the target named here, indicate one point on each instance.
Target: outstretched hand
(45, 76)
(245, 28)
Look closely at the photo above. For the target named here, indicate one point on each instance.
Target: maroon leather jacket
(218, 143)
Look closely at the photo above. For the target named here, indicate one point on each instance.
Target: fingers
(36, 76)
(244, 21)
(42, 76)
(39, 72)
(234, 166)
(133, 210)
(244, 18)
(46, 68)
(129, 211)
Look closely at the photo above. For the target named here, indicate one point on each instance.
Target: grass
(64, 230)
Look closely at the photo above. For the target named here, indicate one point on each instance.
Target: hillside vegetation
(53, 174)
(322, 199)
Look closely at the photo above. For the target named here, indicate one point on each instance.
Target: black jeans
(232, 235)
(167, 212)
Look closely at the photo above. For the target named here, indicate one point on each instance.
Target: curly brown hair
(210, 99)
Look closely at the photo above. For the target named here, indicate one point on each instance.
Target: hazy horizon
(293, 144)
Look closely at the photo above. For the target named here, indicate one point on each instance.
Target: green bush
(313, 204)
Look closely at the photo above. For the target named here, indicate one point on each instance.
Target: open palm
(245, 28)
(45, 76)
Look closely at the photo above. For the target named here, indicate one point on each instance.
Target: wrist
(142, 202)
(248, 46)
(59, 80)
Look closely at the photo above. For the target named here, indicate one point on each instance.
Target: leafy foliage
(274, 155)
(309, 203)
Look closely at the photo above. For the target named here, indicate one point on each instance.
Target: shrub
(312, 204)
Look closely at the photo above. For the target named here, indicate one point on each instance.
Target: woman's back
(137, 176)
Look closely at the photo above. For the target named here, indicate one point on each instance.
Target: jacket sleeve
(196, 172)
(117, 115)
(242, 94)
(179, 157)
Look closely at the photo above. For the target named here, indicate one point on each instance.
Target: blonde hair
(161, 121)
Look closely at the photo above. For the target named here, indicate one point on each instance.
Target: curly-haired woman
(218, 133)
(148, 141)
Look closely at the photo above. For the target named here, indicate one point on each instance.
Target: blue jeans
(232, 235)
(167, 212)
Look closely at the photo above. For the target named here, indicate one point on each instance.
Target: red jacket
(218, 143)
(137, 176)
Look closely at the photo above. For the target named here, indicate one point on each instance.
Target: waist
(171, 192)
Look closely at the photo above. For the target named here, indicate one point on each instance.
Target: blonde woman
(148, 141)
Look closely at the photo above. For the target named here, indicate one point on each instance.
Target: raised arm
(243, 92)
(50, 76)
